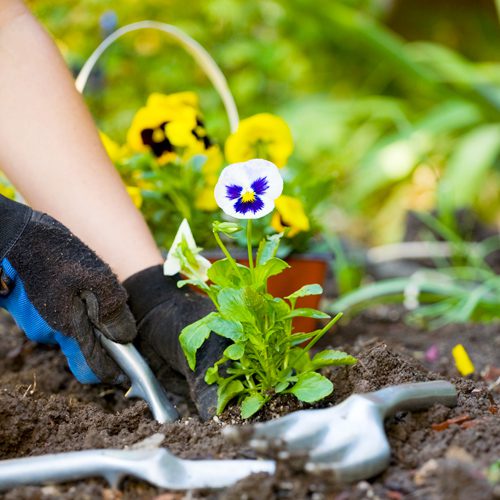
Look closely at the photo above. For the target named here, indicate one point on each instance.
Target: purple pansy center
(248, 200)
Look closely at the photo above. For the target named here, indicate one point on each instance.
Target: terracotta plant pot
(304, 269)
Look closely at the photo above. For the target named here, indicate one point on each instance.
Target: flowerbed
(439, 453)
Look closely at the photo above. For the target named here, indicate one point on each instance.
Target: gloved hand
(58, 291)
(162, 310)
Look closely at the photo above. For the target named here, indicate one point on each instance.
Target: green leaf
(223, 273)
(232, 304)
(396, 155)
(313, 289)
(192, 338)
(392, 290)
(298, 338)
(226, 392)
(361, 297)
(278, 306)
(234, 351)
(467, 168)
(252, 404)
(226, 328)
(212, 375)
(255, 303)
(307, 312)
(268, 248)
(329, 357)
(195, 282)
(311, 387)
(271, 267)
(281, 386)
(299, 360)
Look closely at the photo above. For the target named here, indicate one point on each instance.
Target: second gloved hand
(162, 310)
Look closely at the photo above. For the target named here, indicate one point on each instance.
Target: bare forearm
(50, 149)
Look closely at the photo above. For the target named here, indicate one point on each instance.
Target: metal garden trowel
(348, 439)
(144, 384)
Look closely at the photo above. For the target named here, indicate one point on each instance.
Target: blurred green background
(396, 104)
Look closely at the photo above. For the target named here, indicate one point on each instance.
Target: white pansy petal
(263, 168)
(184, 232)
(247, 190)
(205, 265)
(172, 264)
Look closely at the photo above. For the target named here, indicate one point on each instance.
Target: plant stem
(320, 334)
(250, 381)
(249, 248)
(225, 252)
(323, 331)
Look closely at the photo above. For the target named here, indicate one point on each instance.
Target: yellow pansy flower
(148, 133)
(113, 149)
(135, 193)
(262, 136)
(169, 126)
(211, 167)
(173, 101)
(180, 130)
(7, 191)
(290, 215)
(205, 199)
(6, 188)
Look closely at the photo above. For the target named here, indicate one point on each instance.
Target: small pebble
(426, 469)
(459, 454)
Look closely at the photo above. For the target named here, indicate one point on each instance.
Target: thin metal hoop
(200, 55)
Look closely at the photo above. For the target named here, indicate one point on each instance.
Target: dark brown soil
(43, 410)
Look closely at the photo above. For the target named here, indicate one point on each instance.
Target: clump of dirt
(439, 453)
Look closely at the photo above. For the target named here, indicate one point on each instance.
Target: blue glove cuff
(38, 330)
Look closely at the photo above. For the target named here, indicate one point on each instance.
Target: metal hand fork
(348, 439)
(156, 466)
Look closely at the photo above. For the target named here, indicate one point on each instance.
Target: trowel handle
(414, 396)
(59, 467)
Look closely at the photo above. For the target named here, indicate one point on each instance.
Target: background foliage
(395, 102)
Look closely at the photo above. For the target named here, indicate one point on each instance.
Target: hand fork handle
(413, 396)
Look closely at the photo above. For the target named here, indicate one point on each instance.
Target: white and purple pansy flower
(247, 190)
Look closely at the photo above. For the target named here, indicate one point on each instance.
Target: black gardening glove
(59, 291)
(162, 310)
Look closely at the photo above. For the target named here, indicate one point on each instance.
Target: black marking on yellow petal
(158, 148)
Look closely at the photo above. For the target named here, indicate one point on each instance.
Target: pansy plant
(171, 165)
(265, 357)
